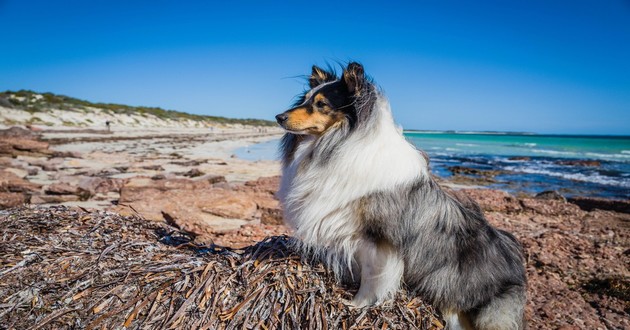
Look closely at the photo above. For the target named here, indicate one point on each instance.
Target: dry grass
(66, 268)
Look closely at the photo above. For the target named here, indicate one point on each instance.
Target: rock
(152, 167)
(16, 141)
(17, 146)
(591, 203)
(188, 163)
(230, 205)
(265, 184)
(550, 195)
(271, 216)
(520, 158)
(473, 171)
(200, 205)
(46, 165)
(9, 182)
(11, 199)
(211, 178)
(18, 172)
(46, 199)
(195, 172)
(494, 200)
(61, 189)
(203, 225)
(94, 185)
(18, 132)
(550, 206)
(579, 162)
(65, 154)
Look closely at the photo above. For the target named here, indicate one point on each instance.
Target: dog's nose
(281, 118)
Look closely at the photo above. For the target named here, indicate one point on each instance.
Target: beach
(218, 186)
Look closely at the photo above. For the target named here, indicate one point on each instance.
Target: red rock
(579, 162)
(94, 185)
(229, 204)
(494, 200)
(9, 182)
(10, 199)
(61, 189)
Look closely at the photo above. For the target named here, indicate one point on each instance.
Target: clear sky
(536, 66)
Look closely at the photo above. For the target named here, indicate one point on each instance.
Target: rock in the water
(520, 158)
(579, 162)
(550, 195)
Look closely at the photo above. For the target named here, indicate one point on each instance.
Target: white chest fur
(317, 198)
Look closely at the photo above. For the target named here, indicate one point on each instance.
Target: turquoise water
(562, 146)
(528, 162)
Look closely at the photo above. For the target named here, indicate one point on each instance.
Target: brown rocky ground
(577, 251)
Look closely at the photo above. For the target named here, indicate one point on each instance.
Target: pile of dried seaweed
(65, 268)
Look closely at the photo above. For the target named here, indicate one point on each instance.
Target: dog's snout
(281, 118)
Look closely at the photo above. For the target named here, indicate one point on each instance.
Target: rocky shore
(577, 250)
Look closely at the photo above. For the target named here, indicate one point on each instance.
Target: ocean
(574, 165)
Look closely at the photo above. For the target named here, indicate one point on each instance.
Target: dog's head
(330, 101)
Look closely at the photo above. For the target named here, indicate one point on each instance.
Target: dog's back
(452, 255)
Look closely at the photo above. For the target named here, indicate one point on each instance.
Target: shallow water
(536, 167)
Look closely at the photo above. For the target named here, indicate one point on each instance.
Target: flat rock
(21, 173)
(494, 200)
(18, 132)
(550, 195)
(12, 199)
(9, 182)
(61, 189)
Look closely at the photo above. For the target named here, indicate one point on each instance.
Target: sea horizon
(473, 132)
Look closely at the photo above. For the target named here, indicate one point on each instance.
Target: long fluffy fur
(361, 197)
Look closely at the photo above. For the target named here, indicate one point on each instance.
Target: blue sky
(536, 66)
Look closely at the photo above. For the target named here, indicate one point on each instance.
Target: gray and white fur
(362, 197)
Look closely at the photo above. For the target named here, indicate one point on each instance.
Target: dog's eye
(320, 104)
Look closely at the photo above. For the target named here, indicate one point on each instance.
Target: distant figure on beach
(107, 122)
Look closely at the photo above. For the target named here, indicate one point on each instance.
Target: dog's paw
(348, 303)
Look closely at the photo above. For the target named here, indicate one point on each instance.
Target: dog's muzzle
(282, 118)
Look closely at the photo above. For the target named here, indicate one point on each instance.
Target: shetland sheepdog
(361, 197)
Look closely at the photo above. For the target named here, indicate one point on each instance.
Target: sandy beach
(190, 179)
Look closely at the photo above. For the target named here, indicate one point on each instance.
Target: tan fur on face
(315, 122)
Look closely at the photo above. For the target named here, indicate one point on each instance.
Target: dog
(361, 197)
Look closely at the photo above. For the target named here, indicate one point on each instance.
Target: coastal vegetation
(34, 102)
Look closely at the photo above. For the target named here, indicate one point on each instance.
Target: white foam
(554, 152)
(466, 144)
(593, 178)
(607, 156)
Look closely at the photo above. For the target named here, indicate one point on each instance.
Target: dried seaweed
(66, 268)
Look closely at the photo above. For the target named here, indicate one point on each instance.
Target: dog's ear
(320, 76)
(354, 77)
